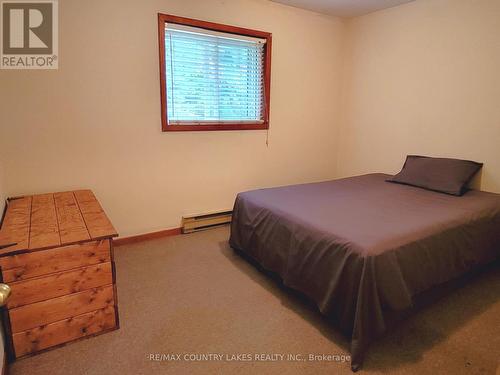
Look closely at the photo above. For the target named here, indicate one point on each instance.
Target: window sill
(212, 127)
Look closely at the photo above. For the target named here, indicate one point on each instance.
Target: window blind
(213, 77)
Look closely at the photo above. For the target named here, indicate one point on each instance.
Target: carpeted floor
(192, 294)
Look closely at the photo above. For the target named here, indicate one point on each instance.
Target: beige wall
(420, 78)
(2, 205)
(423, 78)
(95, 122)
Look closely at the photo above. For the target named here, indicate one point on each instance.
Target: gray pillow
(450, 176)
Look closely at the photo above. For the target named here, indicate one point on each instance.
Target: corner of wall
(342, 93)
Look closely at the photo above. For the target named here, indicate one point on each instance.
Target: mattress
(362, 248)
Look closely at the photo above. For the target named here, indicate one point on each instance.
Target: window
(213, 76)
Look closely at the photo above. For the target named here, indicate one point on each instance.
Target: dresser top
(43, 221)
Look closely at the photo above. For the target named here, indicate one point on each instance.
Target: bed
(362, 248)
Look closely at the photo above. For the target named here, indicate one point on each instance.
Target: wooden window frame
(167, 18)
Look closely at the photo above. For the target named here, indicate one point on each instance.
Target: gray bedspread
(362, 247)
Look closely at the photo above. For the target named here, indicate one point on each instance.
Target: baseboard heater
(194, 223)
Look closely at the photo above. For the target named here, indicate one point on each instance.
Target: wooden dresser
(56, 255)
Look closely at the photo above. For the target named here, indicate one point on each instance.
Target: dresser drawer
(59, 284)
(52, 334)
(41, 313)
(38, 263)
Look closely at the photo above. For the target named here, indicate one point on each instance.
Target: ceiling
(343, 8)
